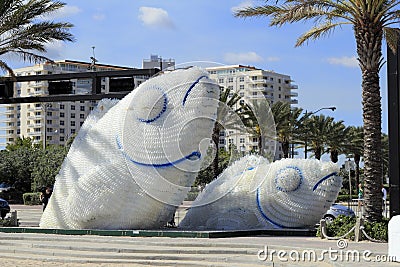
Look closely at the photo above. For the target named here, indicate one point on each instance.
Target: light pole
(306, 115)
(44, 108)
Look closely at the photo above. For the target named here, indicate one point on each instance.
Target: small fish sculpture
(134, 160)
(255, 194)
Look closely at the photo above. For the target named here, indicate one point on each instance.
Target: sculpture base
(165, 232)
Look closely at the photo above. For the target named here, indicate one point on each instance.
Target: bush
(343, 224)
(31, 198)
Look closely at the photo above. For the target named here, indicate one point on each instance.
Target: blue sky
(126, 32)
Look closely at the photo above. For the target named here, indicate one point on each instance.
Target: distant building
(251, 84)
(56, 121)
(157, 62)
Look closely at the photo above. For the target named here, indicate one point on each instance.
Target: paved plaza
(29, 249)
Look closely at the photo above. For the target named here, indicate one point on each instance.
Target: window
(254, 78)
(62, 130)
(82, 108)
(280, 88)
(255, 147)
(221, 80)
(221, 133)
(62, 106)
(222, 141)
(230, 80)
(241, 87)
(272, 79)
(254, 93)
(72, 131)
(230, 141)
(241, 140)
(49, 113)
(72, 123)
(279, 81)
(61, 138)
(241, 94)
(72, 107)
(82, 102)
(255, 139)
(72, 115)
(62, 114)
(81, 116)
(279, 96)
(49, 121)
(241, 102)
(81, 123)
(230, 87)
(61, 122)
(241, 79)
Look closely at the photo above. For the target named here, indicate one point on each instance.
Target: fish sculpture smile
(134, 160)
(256, 194)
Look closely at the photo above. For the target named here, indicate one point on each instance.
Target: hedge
(31, 198)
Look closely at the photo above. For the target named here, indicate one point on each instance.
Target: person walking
(45, 196)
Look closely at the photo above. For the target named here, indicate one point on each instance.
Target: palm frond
(318, 32)
(392, 37)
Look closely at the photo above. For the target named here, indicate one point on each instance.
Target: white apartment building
(251, 84)
(56, 121)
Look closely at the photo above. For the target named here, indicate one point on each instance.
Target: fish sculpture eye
(151, 104)
(288, 179)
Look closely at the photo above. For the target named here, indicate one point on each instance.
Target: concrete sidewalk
(23, 249)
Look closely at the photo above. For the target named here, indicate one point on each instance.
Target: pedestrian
(360, 195)
(384, 196)
(45, 196)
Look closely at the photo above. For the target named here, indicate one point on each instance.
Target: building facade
(54, 122)
(253, 84)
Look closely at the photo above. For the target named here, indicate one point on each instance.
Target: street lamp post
(306, 115)
(44, 108)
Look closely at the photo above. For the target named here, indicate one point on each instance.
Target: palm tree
(24, 31)
(319, 133)
(336, 139)
(370, 20)
(287, 124)
(225, 119)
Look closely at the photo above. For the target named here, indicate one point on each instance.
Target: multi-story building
(56, 121)
(253, 84)
(156, 62)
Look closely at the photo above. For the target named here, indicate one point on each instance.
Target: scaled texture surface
(133, 161)
(255, 194)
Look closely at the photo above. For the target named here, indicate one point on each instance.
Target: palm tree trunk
(334, 156)
(369, 42)
(318, 153)
(285, 149)
(215, 139)
(357, 159)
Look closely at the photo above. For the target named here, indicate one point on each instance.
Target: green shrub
(343, 224)
(31, 198)
(191, 196)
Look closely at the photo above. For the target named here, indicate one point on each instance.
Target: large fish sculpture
(133, 161)
(255, 194)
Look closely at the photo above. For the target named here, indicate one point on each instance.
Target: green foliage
(5, 223)
(31, 198)
(343, 224)
(377, 230)
(47, 166)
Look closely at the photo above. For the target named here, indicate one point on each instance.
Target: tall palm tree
(318, 136)
(24, 31)
(287, 124)
(228, 102)
(371, 21)
(355, 140)
(336, 140)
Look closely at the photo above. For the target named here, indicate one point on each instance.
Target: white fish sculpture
(133, 161)
(255, 194)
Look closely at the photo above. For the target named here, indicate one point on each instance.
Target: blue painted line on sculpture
(159, 114)
(190, 89)
(192, 156)
(323, 179)
(300, 182)
(262, 212)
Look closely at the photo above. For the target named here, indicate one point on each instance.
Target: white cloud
(241, 58)
(247, 3)
(64, 12)
(155, 17)
(98, 16)
(350, 62)
(273, 59)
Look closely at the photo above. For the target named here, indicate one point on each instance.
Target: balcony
(293, 94)
(293, 86)
(294, 101)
